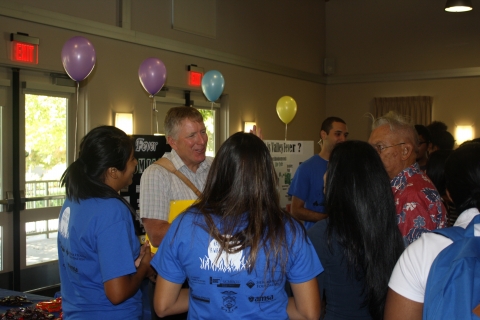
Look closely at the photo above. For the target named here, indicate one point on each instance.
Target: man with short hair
(419, 206)
(307, 185)
(187, 135)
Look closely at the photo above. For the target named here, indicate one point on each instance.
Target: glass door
(41, 132)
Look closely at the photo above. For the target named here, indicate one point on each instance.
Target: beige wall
(275, 49)
(402, 48)
(455, 101)
(380, 48)
(378, 37)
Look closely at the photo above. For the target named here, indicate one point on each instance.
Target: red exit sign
(195, 75)
(24, 48)
(195, 78)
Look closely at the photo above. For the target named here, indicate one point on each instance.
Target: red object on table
(54, 305)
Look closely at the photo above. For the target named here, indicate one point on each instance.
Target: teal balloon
(212, 85)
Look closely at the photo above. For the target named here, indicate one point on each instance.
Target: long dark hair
(102, 148)
(436, 169)
(241, 189)
(362, 218)
(462, 174)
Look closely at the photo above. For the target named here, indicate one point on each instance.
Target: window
(45, 148)
(41, 241)
(209, 120)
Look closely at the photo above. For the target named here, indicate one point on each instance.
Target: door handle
(10, 200)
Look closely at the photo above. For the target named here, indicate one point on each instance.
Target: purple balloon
(78, 58)
(152, 75)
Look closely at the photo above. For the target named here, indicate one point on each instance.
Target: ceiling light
(458, 5)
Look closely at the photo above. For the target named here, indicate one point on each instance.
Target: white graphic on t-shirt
(64, 222)
(225, 262)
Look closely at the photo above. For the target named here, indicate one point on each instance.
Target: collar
(178, 162)
(465, 217)
(400, 179)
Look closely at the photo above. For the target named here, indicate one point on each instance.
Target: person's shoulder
(153, 169)
(208, 161)
(318, 230)
(110, 203)
(313, 161)
(425, 249)
(319, 226)
(108, 209)
(189, 216)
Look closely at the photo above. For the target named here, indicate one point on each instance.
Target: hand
(257, 131)
(145, 252)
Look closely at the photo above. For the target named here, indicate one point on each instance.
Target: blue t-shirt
(222, 288)
(307, 185)
(96, 243)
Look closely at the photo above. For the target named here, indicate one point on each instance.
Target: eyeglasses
(380, 148)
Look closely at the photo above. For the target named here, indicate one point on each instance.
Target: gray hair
(176, 115)
(398, 124)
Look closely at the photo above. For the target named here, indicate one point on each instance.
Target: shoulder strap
(167, 164)
(453, 233)
(457, 233)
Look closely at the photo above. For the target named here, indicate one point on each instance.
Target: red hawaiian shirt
(419, 206)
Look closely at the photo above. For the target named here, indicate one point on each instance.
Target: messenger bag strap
(167, 164)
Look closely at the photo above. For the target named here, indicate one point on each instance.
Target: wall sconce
(458, 5)
(124, 121)
(463, 133)
(247, 126)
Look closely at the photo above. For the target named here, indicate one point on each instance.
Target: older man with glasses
(419, 206)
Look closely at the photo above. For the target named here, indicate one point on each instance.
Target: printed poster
(287, 156)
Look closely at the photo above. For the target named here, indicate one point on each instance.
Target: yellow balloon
(286, 109)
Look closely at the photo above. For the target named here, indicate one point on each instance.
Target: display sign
(287, 156)
(147, 149)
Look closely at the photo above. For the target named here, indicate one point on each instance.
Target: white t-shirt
(409, 277)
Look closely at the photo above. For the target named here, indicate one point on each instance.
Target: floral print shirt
(419, 205)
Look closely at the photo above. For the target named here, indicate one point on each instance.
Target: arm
(301, 213)
(156, 230)
(169, 298)
(305, 303)
(398, 307)
(257, 131)
(122, 288)
(155, 187)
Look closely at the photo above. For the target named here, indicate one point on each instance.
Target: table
(32, 297)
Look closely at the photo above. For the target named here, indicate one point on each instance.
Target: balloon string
(285, 132)
(153, 108)
(155, 111)
(211, 108)
(76, 124)
(156, 114)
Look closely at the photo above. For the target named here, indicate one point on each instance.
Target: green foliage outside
(45, 135)
(209, 120)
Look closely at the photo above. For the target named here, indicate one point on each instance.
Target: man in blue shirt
(308, 184)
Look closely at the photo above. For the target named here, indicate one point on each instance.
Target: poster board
(287, 156)
(147, 149)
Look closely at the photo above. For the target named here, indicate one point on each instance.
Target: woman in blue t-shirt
(102, 264)
(237, 247)
(359, 243)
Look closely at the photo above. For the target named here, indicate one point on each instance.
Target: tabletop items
(40, 311)
(14, 301)
(27, 313)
